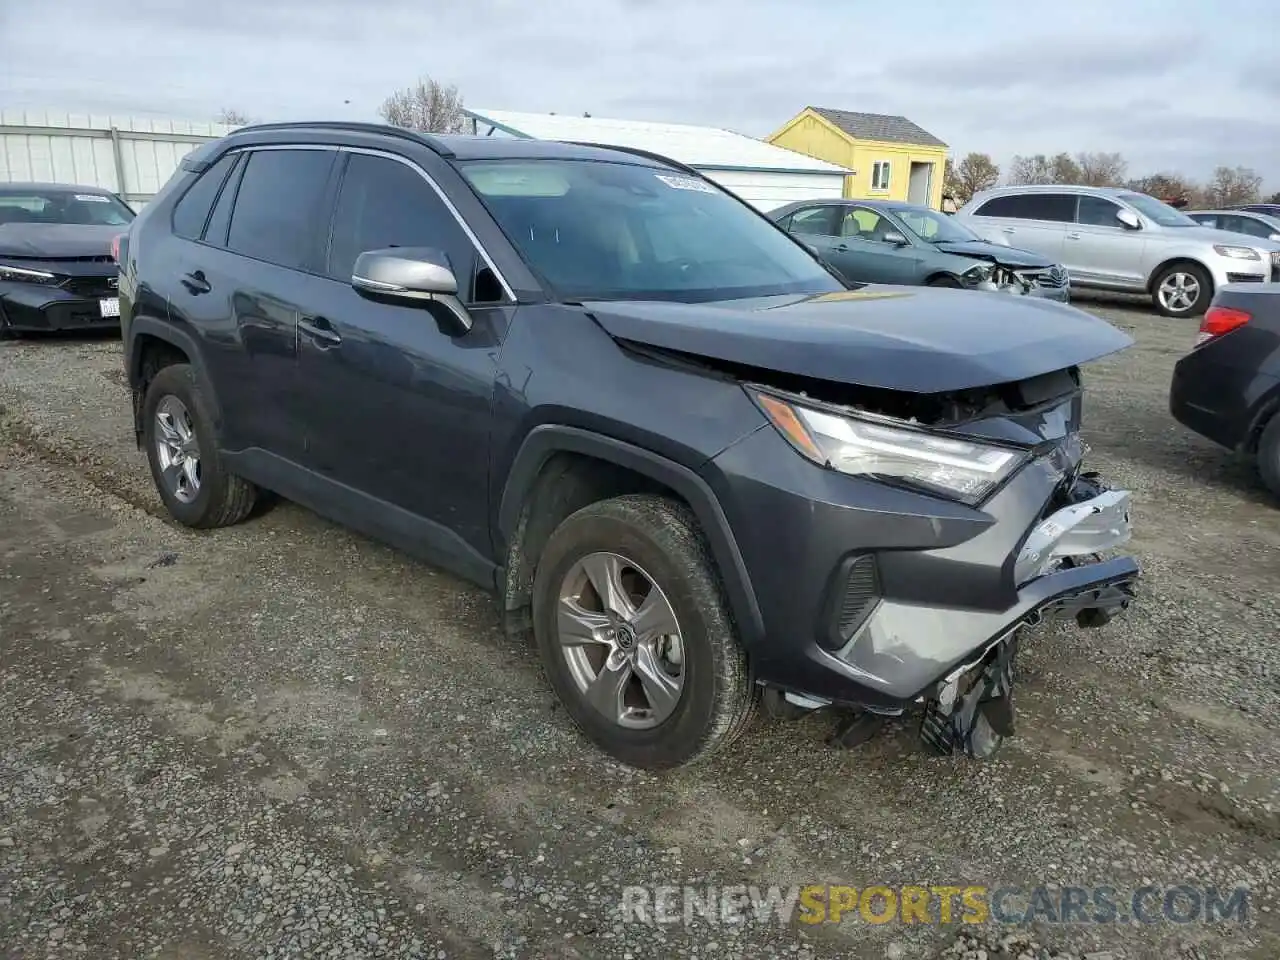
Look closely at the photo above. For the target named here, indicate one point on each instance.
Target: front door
(1099, 249)
(862, 251)
(399, 402)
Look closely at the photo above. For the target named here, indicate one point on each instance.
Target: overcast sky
(1180, 85)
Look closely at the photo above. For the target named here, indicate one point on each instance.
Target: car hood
(918, 339)
(56, 241)
(995, 252)
(1213, 235)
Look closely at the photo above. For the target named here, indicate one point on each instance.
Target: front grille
(861, 592)
(92, 287)
(1054, 278)
(1246, 278)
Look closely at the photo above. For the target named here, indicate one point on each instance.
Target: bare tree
(233, 117)
(428, 106)
(1233, 185)
(1101, 169)
(1274, 198)
(1065, 169)
(1026, 170)
(975, 172)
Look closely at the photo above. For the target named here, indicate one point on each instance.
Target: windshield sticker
(93, 197)
(685, 183)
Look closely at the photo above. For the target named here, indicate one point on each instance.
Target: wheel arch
(1265, 411)
(560, 469)
(154, 344)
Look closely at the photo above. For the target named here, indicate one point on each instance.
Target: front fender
(546, 440)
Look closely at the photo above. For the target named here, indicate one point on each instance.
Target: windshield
(601, 230)
(933, 226)
(1153, 209)
(63, 206)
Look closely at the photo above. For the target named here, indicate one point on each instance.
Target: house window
(880, 175)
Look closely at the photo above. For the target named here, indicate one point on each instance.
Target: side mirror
(1129, 220)
(895, 238)
(413, 277)
(1274, 236)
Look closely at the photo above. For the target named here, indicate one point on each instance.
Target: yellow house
(891, 158)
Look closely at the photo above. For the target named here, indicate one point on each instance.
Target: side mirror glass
(895, 238)
(1129, 220)
(410, 276)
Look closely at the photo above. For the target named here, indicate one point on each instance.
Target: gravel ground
(282, 739)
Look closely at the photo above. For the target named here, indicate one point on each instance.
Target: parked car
(688, 459)
(56, 269)
(1270, 209)
(1239, 221)
(1228, 387)
(877, 241)
(1119, 240)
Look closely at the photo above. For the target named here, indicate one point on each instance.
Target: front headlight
(25, 275)
(891, 450)
(978, 274)
(1237, 253)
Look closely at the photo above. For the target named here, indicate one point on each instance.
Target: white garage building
(760, 173)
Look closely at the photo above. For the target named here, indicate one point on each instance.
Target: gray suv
(1115, 239)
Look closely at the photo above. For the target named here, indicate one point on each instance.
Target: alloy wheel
(177, 449)
(621, 641)
(1178, 292)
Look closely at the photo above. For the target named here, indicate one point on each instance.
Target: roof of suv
(1057, 188)
(463, 146)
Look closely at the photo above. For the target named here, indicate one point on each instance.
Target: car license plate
(110, 307)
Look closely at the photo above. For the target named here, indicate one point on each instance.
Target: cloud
(1157, 81)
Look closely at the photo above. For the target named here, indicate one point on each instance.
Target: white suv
(1114, 239)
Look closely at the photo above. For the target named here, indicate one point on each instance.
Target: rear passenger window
(192, 208)
(1059, 207)
(276, 206)
(384, 203)
(815, 221)
(220, 219)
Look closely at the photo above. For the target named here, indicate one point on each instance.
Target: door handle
(1073, 236)
(319, 329)
(1007, 230)
(841, 246)
(196, 282)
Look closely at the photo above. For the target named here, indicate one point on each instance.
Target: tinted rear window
(276, 206)
(1057, 207)
(192, 210)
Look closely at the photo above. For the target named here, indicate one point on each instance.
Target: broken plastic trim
(1078, 529)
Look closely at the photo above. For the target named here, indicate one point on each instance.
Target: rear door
(815, 226)
(1100, 250)
(240, 281)
(1032, 221)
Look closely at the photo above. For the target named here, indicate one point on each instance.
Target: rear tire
(182, 448)
(1269, 455)
(655, 541)
(1182, 290)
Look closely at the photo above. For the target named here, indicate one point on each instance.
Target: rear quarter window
(192, 209)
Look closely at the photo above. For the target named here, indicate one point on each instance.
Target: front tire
(950, 283)
(181, 443)
(635, 636)
(1182, 290)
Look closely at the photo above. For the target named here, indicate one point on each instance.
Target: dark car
(56, 267)
(1271, 209)
(688, 459)
(876, 241)
(1228, 387)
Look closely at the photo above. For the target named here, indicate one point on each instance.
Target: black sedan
(1228, 387)
(879, 241)
(56, 267)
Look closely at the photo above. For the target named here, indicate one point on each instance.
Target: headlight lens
(892, 451)
(25, 275)
(1236, 253)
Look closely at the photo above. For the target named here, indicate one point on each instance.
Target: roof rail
(648, 154)
(352, 126)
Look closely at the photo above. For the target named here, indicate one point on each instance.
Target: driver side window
(862, 224)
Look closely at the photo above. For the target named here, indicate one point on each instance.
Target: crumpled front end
(880, 594)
